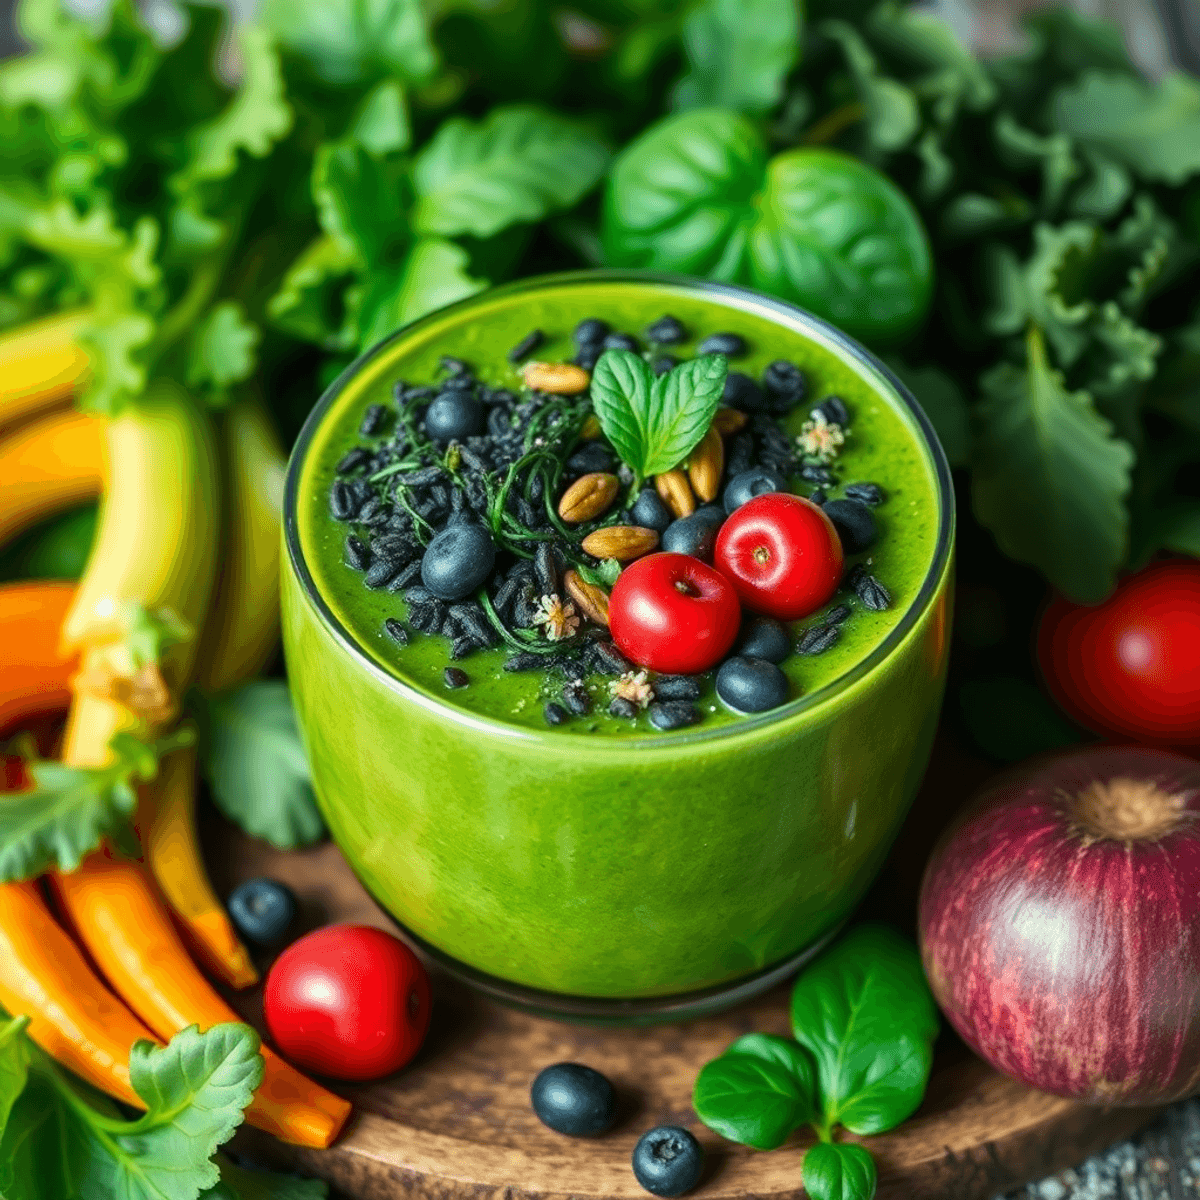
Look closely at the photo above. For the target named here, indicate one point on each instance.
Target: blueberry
(677, 687)
(751, 685)
(743, 393)
(453, 416)
(664, 363)
(785, 385)
(673, 714)
(732, 345)
(695, 535)
(766, 639)
(457, 561)
(871, 494)
(668, 1161)
(757, 481)
(591, 456)
(620, 341)
(855, 524)
(591, 331)
(650, 512)
(262, 910)
(834, 410)
(666, 331)
(573, 1099)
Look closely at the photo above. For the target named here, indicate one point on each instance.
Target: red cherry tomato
(348, 1001)
(1130, 667)
(782, 554)
(673, 613)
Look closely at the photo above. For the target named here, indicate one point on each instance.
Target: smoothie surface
(884, 446)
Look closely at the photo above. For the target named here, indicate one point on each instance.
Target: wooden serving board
(457, 1123)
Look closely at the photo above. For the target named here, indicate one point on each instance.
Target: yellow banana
(41, 365)
(243, 626)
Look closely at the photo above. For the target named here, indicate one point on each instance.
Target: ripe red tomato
(1130, 667)
(782, 554)
(348, 1001)
(673, 613)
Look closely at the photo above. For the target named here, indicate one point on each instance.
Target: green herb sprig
(655, 423)
(60, 1138)
(864, 1022)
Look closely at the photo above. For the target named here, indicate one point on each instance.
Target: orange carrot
(166, 819)
(73, 1016)
(34, 680)
(124, 926)
(51, 464)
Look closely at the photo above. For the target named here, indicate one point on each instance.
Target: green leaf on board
(865, 1013)
(759, 1092)
(839, 1171)
(237, 1184)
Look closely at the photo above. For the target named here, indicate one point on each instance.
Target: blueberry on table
(573, 1099)
(751, 685)
(757, 481)
(650, 512)
(765, 638)
(457, 561)
(668, 1161)
(453, 416)
(854, 522)
(262, 910)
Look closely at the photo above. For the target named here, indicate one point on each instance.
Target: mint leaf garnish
(655, 423)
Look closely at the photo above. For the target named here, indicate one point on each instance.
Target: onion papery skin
(1069, 962)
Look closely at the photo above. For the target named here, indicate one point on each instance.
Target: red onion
(1060, 925)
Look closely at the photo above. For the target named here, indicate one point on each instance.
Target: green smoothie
(884, 447)
(603, 859)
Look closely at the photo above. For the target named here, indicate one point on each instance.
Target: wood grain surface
(457, 1124)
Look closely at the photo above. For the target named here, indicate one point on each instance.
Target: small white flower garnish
(557, 619)
(632, 686)
(820, 438)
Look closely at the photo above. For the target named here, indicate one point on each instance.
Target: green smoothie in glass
(559, 848)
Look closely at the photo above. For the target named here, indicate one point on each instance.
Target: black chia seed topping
(452, 499)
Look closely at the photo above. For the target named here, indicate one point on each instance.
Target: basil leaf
(695, 194)
(256, 766)
(519, 164)
(1153, 129)
(683, 403)
(839, 1171)
(1050, 479)
(758, 1092)
(740, 53)
(347, 42)
(621, 388)
(865, 1013)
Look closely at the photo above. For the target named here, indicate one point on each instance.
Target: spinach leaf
(740, 53)
(865, 1013)
(519, 164)
(237, 1184)
(655, 422)
(1050, 479)
(696, 194)
(758, 1092)
(839, 1171)
(256, 766)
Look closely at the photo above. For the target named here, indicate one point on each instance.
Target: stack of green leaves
(60, 1138)
(864, 1023)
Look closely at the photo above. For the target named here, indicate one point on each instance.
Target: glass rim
(796, 318)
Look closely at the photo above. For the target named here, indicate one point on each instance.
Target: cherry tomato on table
(782, 554)
(673, 613)
(348, 1001)
(1130, 667)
